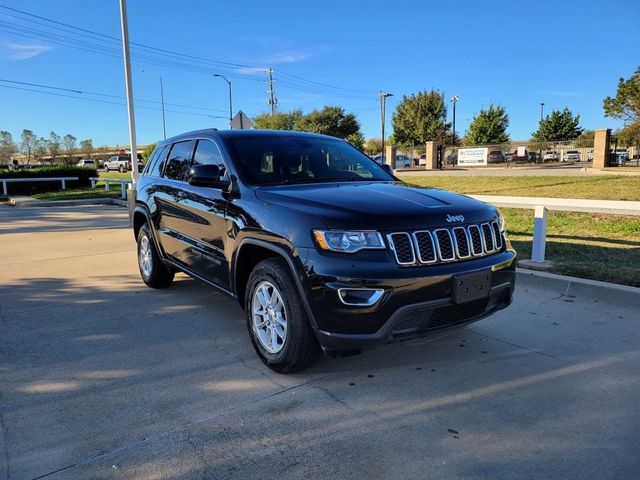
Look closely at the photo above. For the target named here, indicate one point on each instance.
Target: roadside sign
(472, 157)
(241, 121)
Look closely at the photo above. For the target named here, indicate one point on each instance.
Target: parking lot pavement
(101, 377)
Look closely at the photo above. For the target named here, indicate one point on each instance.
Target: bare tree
(70, 148)
(7, 147)
(86, 147)
(28, 143)
(40, 149)
(54, 146)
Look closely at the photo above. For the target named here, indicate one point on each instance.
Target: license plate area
(471, 286)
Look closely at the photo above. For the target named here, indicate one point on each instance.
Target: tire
(299, 348)
(153, 272)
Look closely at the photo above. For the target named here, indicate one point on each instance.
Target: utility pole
(454, 100)
(132, 120)
(383, 101)
(273, 101)
(230, 104)
(541, 111)
(164, 124)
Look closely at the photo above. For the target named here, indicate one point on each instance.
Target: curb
(580, 287)
(72, 203)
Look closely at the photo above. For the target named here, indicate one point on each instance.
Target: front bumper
(416, 300)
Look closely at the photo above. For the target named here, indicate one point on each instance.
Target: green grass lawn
(596, 246)
(79, 193)
(603, 187)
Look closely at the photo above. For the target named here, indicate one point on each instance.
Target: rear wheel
(153, 272)
(277, 322)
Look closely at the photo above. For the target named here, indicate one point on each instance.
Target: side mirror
(206, 176)
(387, 168)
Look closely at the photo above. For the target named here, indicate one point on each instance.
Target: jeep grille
(443, 245)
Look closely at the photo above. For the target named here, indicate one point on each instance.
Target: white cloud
(17, 51)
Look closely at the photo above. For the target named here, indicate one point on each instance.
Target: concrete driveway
(101, 377)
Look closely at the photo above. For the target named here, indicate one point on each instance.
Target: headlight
(347, 241)
(500, 220)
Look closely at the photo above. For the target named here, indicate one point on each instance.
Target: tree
(278, 121)
(148, 150)
(585, 140)
(86, 147)
(488, 127)
(626, 106)
(28, 143)
(40, 149)
(372, 146)
(419, 118)
(560, 125)
(332, 121)
(69, 143)
(54, 146)
(7, 147)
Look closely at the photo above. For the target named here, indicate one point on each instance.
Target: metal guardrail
(542, 205)
(122, 181)
(36, 179)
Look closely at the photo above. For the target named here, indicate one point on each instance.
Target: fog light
(360, 297)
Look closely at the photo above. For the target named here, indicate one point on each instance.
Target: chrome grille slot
(463, 249)
(445, 245)
(487, 237)
(497, 234)
(402, 248)
(425, 247)
(476, 240)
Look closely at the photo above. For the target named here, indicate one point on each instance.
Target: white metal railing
(122, 181)
(36, 179)
(542, 205)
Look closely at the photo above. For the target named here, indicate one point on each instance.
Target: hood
(378, 205)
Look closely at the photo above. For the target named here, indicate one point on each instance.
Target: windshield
(281, 159)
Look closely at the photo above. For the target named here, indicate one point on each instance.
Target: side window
(178, 161)
(155, 163)
(208, 153)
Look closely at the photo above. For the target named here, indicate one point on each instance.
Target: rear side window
(178, 161)
(156, 162)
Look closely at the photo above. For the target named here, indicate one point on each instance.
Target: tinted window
(266, 159)
(208, 153)
(178, 161)
(156, 162)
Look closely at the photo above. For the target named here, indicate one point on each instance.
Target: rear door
(202, 221)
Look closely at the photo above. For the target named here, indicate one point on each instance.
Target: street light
(164, 126)
(383, 101)
(230, 107)
(541, 111)
(454, 100)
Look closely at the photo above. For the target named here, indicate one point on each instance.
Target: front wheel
(153, 272)
(277, 322)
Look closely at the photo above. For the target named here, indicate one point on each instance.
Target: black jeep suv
(322, 247)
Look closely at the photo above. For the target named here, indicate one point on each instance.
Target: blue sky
(517, 54)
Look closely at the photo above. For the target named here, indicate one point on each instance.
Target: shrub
(28, 188)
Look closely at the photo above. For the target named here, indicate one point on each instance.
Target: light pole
(541, 111)
(454, 100)
(230, 104)
(164, 126)
(383, 101)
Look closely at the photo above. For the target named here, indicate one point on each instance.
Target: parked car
(551, 156)
(496, 156)
(379, 159)
(122, 163)
(402, 161)
(590, 156)
(618, 158)
(87, 163)
(523, 157)
(324, 249)
(571, 156)
(422, 160)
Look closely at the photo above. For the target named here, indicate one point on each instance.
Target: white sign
(241, 121)
(472, 157)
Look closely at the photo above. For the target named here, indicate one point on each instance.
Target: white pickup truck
(122, 163)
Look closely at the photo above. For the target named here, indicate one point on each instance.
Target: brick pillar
(390, 155)
(432, 156)
(601, 147)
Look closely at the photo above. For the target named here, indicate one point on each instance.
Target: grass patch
(79, 193)
(598, 187)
